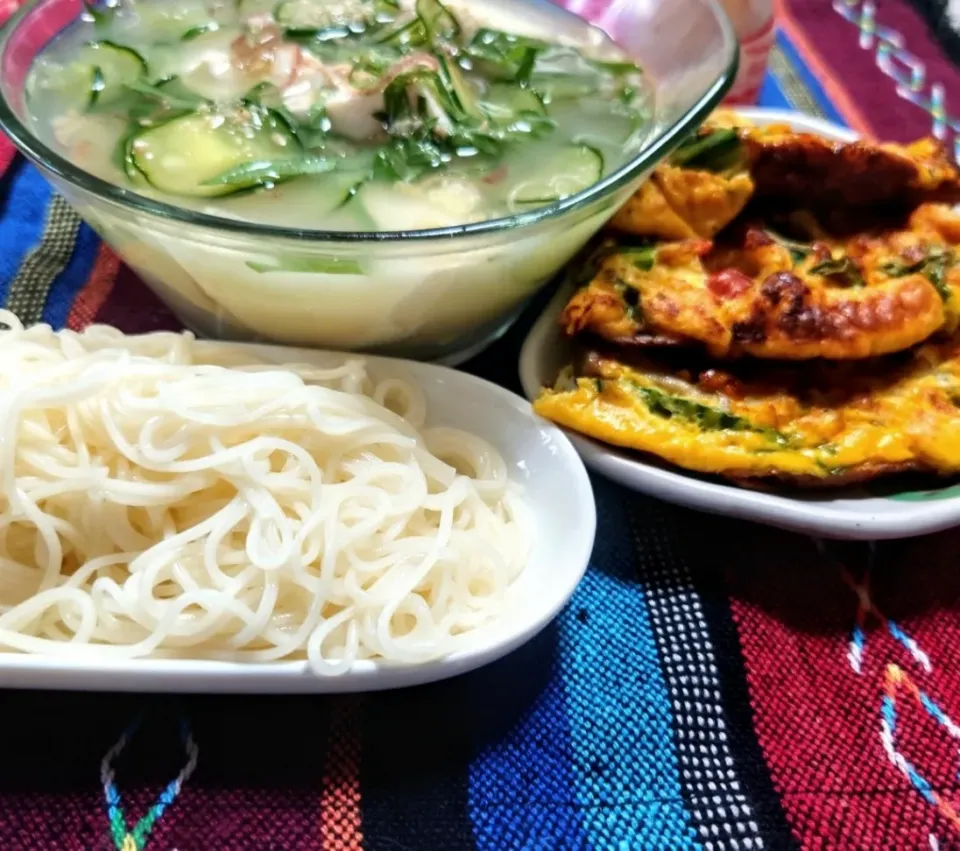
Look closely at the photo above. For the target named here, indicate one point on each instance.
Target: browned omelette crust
(820, 425)
(844, 478)
(847, 299)
(679, 203)
(813, 171)
(780, 165)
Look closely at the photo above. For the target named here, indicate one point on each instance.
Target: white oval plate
(847, 514)
(539, 457)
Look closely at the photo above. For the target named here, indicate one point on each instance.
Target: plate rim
(675, 486)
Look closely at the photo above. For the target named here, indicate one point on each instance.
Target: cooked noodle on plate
(163, 497)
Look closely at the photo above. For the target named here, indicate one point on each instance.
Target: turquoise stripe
(586, 758)
(23, 209)
(625, 764)
(71, 280)
(810, 82)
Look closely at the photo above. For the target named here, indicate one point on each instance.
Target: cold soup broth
(372, 115)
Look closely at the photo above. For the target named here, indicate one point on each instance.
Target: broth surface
(340, 114)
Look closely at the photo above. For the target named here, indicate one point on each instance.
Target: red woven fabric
(818, 692)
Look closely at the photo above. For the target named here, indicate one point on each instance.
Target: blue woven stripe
(24, 210)
(772, 95)
(71, 280)
(521, 786)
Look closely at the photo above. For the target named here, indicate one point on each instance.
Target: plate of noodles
(178, 515)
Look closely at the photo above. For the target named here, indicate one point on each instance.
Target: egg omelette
(824, 424)
(774, 305)
(756, 292)
(711, 179)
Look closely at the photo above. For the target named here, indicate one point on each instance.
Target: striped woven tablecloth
(711, 685)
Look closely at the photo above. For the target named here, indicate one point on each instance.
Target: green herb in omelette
(799, 251)
(714, 150)
(704, 417)
(842, 270)
(934, 266)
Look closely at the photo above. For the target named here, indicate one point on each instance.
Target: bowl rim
(49, 160)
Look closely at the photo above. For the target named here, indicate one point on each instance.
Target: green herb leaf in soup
(469, 109)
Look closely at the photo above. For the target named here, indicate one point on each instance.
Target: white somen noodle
(158, 498)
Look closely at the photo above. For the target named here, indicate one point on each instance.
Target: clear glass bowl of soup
(391, 176)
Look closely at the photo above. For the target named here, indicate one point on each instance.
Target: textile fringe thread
(135, 839)
(898, 684)
(866, 610)
(895, 683)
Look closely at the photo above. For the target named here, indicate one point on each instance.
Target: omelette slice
(728, 164)
(825, 425)
(703, 188)
(759, 293)
(806, 169)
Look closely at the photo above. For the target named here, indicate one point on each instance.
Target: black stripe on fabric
(413, 770)
(707, 571)
(44, 262)
(713, 789)
(259, 778)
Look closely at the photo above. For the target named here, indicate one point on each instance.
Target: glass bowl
(426, 294)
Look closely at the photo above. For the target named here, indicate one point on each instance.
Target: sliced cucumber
(310, 200)
(333, 19)
(98, 75)
(174, 20)
(554, 87)
(308, 264)
(565, 172)
(123, 157)
(503, 55)
(505, 102)
(452, 75)
(437, 20)
(599, 123)
(432, 203)
(187, 155)
(272, 171)
(411, 34)
(169, 95)
(63, 88)
(115, 66)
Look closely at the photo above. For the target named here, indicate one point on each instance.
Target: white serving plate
(538, 456)
(850, 513)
